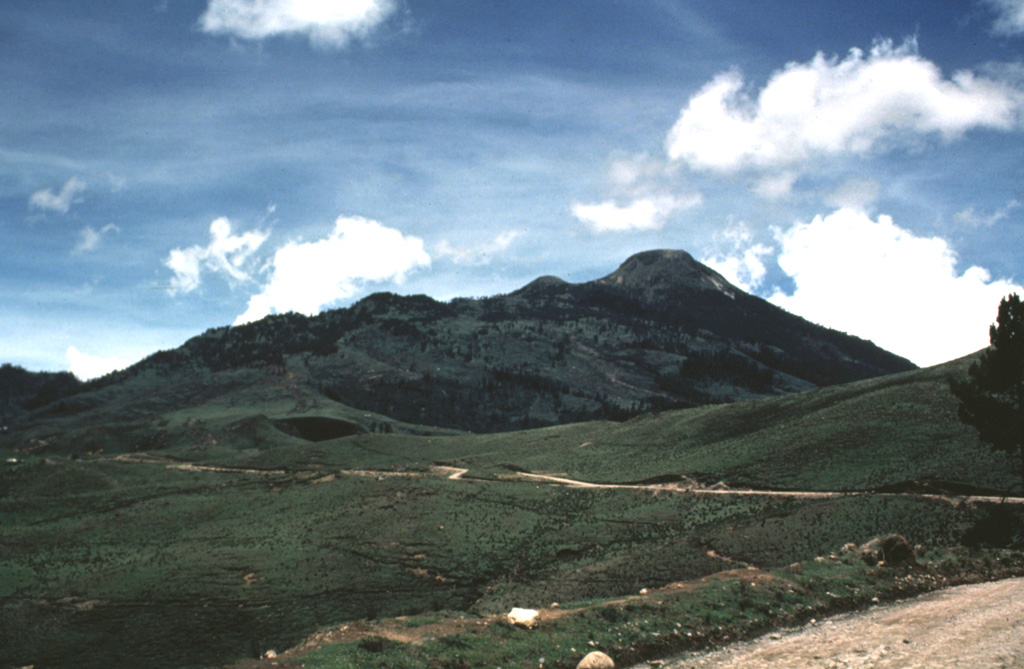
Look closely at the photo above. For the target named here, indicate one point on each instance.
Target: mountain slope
(881, 433)
(242, 550)
(662, 331)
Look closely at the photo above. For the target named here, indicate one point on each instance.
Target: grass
(859, 436)
(99, 550)
(689, 617)
(239, 563)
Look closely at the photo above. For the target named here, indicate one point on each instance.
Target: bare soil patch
(980, 625)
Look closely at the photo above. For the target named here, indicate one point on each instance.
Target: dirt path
(735, 492)
(678, 487)
(975, 626)
(457, 473)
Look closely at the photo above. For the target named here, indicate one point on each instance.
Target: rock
(596, 660)
(889, 551)
(897, 551)
(523, 617)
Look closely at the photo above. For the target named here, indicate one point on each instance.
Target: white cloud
(1010, 19)
(86, 366)
(648, 213)
(875, 280)
(826, 107)
(326, 22)
(476, 255)
(640, 175)
(776, 186)
(854, 194)
(89, 238)
(742, 264)
(308, 276)
(645, 185)
(226, 253)
(60, 202)
(976, 219)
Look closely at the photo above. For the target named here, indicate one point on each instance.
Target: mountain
(21, 390)
(662, 331)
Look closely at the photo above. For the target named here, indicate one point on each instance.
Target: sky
(169, 166)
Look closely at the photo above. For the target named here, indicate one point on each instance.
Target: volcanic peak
(663, 271)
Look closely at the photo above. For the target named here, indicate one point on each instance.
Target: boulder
(596, 660)
(891, 551)
(523, 617)
(897, 551)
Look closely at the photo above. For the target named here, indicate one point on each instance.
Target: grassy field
(162, 559)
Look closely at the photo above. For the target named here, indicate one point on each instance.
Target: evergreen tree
(992, 397)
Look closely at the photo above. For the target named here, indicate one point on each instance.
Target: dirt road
(977, 626)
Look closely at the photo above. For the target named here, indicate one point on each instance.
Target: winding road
(457, 473)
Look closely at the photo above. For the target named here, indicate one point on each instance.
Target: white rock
(523, 617)
(596, 660)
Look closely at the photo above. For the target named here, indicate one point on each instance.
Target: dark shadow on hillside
(1001, 527)
(318, 428)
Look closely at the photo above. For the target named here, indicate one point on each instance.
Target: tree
(992, 396)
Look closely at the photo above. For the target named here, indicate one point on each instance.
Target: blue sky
(171, 166)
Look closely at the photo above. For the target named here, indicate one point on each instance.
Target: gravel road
(977, 626)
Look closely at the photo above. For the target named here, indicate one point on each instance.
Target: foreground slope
(243, 549)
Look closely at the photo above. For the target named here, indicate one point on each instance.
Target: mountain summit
(658, 273)
(661, 331)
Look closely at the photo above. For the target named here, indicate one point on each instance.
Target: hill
(22, 391)
(662, 331)
(239, 550)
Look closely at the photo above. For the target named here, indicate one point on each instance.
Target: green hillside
(857, 436)
(860, 436)
(248, 544)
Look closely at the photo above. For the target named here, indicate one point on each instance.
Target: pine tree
(992, 397)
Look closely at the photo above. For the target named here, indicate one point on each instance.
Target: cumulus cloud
(1009, 16)
(876, 280)
(307, 276)
(89, 238)
(826, 107)
(86, 366)
(59, 202)
(476, 255)
(325, 22)
(741, 264)
(647, 213)
(226, 254)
